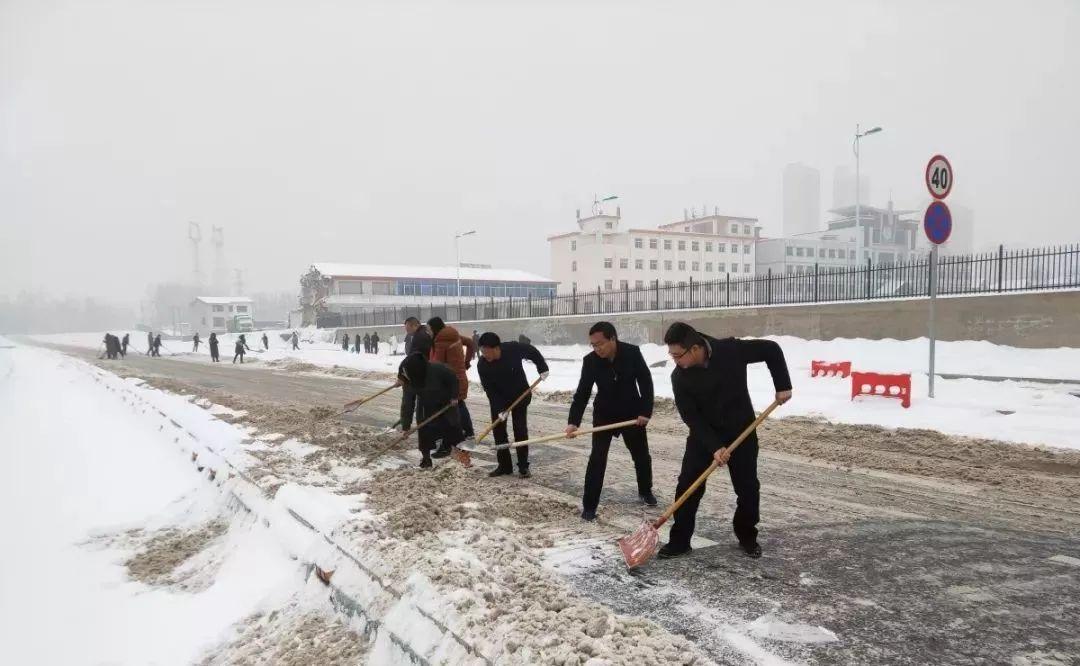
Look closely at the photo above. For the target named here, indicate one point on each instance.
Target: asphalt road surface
(879, 546)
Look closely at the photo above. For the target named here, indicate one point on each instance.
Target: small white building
(218, 314)
(601, 255)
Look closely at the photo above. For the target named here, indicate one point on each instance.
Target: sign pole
(933, 303)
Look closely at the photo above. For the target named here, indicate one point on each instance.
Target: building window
(746, 229)
(241, 308)
(734, 248)
(219, 308)
(735, 230)
(682, 245)
(607, 262)
(721, 267)
(637, 243)
(708, 246)
(788, 250)
(708, 267)
(230, 308)
(821, 252)
(639, 284)
(734, 268)
(695, 246)
(652, 243)
(624, 262)
(667, 265)
(219, 322)
(721, 247)
(832, 254)
(607, 225)
(573, 246)
(624, 284)
(573, 265)
(639, 264)
(798, 252)
(608, 285)
(653, 264)
(746, 268)
(682, 265)
(667, 245)
(851, 254)
(695, 266)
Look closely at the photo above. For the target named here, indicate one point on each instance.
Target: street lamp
(858, 209)
(457, 257)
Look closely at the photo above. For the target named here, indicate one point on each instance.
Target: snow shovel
(408, 433)
(351, 406)
(563, 435)
(640, 547)
(505, 414)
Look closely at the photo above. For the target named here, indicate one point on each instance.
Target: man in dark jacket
(710, 390)
(345, 341)
(427, 387)
(157, 345)
(503, 379)
(149, 343)
(108, 342)
(124, 344)
(367, 343)
(238, 350)
(295, 341)
(417, 340)
(266, 342)
(624, 392)
(375, 342)
(195, 339)
(214, 356)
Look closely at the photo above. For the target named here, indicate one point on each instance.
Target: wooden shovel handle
(712, 468)
(409, 432)
(350, 406)
(563, 435)
(515, 403)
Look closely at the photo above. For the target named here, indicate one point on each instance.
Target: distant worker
(375, 342)
(295, 340)
(195, 339)
(266, 341)
(149, 343)
(345, 342)
(367, 343)
(243, 340)
(476, 339)
(214, 348)
(157, 345)
(238, 350)
(124, 345)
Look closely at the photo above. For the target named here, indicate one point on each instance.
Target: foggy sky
(371, 132)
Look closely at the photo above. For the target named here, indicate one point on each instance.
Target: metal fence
(989, 273)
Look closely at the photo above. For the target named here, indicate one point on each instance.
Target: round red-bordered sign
(937, 222)
(940, 167)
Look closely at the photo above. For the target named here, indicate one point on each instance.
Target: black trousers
(238, 355)
(742, 468)
(443, 429)
(637, 442)
(214, 356)
(519, 419)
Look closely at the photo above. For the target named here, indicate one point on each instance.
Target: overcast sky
(371, 132)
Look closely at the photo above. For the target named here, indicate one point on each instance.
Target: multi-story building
(883, 236)
(351, 288)
(220, 314)
(802, 200)
(602, 255)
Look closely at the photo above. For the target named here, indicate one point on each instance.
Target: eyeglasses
(680, 355)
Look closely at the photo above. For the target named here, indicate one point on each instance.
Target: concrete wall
(1034, 320)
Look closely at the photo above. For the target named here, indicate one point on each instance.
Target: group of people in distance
(708, 384)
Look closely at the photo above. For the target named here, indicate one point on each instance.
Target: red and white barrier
(886, 386)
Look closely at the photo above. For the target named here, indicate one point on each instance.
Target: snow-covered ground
(1014, 411)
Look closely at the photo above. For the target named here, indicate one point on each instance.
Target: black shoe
(425, 462)
(667, 551)
(525, 473)
(500, 471)
(587, 515)
(752, 550)
(648, 498)
(441, 452)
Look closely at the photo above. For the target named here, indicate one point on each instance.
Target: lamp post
(858, 208)
(457, 259)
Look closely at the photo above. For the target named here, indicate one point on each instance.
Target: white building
(603, 255)
(887, 236)
(217, 314)
(802, 200)
(350, 288)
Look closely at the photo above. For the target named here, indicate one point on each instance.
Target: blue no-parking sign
(937, 222)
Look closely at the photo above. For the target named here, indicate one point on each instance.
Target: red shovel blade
(640, 547)
(462, 456)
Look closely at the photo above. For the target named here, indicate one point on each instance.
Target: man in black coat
(124, 345)
(375, 342)
(295, 341)
(345, 341)
(624, 392)
(238, 350)
(367, 343)
(149, 343)
(266, 342)
(710, 390)
(157, 345)
(214, 356)
(195, 339)
(417, 339)
(427, 387)
(503, 379)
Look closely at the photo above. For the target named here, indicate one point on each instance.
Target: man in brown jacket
(457, 352)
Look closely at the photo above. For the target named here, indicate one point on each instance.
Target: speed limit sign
(939, 177)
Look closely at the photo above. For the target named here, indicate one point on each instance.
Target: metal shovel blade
(640, 547)
(469, 445)
(462, 456)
